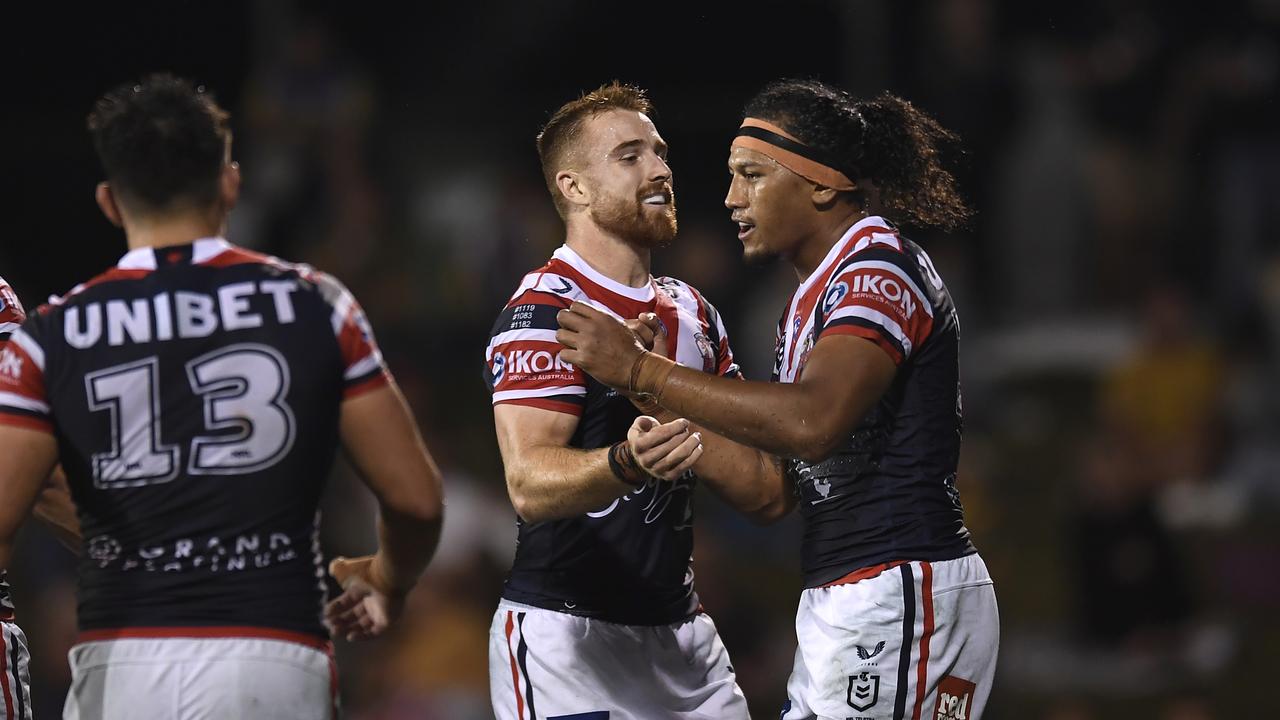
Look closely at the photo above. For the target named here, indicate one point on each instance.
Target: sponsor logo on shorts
(955, 699)
(864, 691)
(865, 654)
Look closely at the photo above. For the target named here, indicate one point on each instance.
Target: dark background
(1119, 291)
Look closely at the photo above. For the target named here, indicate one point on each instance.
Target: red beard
(636, 223)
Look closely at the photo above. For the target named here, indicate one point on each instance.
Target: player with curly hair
(863, 420)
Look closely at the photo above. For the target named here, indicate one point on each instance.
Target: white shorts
(916, 642)
(15, 673)
(185, 678)
(545, 665)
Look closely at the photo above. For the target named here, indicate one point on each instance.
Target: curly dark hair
(162, 142)
(886, 140)
(562, 131)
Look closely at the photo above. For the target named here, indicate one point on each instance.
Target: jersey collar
(144, 258)
(566, 254)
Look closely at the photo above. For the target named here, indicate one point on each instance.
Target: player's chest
(797, 334)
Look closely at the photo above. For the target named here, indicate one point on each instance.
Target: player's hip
(202, 675)
(907, 639)
(15, 675)
(545, 664)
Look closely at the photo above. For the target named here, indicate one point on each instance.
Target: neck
(827, 232)
(611, 256)
(172, 230)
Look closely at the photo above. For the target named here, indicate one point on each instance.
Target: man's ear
(822, 195)
(572, 188)
(107, 204)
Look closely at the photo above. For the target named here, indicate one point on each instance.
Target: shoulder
(552, 284)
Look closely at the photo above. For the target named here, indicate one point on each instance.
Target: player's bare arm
(807, 419)
(548, 480)
(750, 481)
(28, 458)
(55, 508)
(383, 443)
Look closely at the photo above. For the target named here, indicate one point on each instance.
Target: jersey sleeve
(22, 396)
(522, 360)
(876, 296)
(363, 368)
(23, 400)
(11, 312)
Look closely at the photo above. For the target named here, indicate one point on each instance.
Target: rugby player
(599, 617)
(898, 617)
(195, 394)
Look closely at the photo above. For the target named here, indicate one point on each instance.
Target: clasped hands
(611, 351)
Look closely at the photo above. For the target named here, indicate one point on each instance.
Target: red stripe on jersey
(213, 631)
(363, 386)
(28, 422)
(542, 381)
(867, 333)
(883, 291)
(621, 304)
(922, 669)
(29, 382)
(353, 343)
(111, 275)
(534, 365)
(546, 403)
(726, 357)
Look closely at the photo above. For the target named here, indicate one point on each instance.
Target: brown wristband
(645, 404)
(623, 465)
(649, 375)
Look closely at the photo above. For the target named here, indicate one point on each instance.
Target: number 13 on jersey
(243, 388)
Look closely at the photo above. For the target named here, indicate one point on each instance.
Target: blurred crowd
(1119, 293)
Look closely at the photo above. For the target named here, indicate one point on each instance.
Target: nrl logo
(864, 654)
(864, 691)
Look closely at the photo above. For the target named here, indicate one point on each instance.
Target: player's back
(195, 393)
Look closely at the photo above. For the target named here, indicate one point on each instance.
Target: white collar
(566, 254)
(144, 258)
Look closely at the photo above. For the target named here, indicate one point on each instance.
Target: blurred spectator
(1165, 400)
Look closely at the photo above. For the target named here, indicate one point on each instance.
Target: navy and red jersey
(888, 494)
(195, 392)
(11, 317)
(628, 562)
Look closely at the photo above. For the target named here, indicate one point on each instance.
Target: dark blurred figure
(1132, 584)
